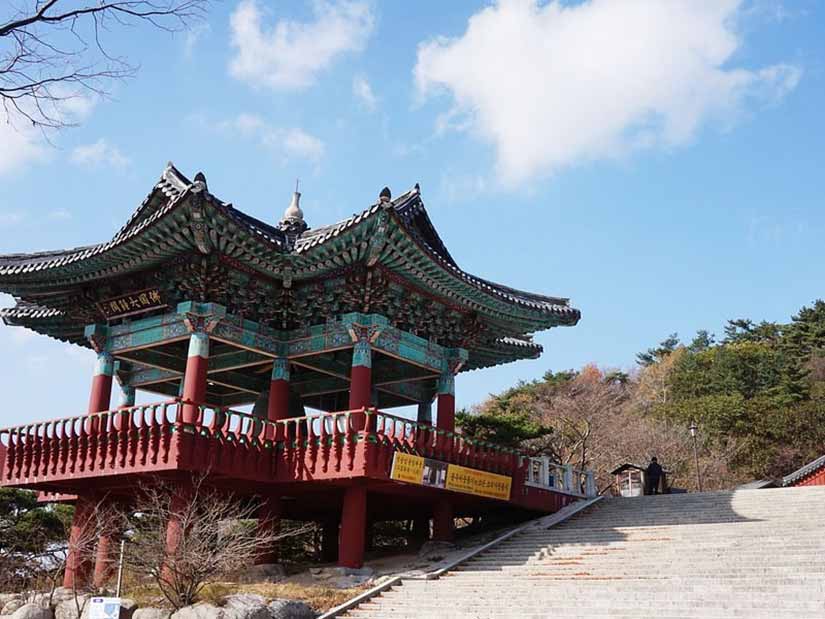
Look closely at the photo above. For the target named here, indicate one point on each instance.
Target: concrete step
(750, 554)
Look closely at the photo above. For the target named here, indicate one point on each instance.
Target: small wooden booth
(631, 480)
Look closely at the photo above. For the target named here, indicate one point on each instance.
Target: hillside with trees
(757, 395)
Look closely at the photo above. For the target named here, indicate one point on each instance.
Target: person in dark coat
(653, 473)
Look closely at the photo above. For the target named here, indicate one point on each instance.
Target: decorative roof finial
(293, 220)
(385, 195)
(200, 177)
(293, 212)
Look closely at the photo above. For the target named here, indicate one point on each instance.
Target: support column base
(443, 525)
(353, 527)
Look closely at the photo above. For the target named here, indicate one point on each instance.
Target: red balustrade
(90, 444)
(154, 437)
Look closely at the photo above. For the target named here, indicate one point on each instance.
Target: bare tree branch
(217, 536)
(49, 56)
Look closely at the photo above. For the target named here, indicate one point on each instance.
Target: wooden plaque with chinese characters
(132, 303)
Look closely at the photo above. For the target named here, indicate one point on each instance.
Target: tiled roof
(24, 309)
(173, 188)
(808, 469)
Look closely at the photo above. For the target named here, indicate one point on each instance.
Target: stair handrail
(544, 522)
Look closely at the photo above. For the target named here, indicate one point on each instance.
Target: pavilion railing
(337, 428)
(545, 473)
(140, 436)
(429, 441)
(128, 436)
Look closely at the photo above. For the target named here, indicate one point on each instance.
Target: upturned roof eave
(23, 269)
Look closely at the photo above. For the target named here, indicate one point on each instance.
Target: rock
(345, 577)
(239, 600)
(246, 606)
(152, 613)
(5, 598)
(12, 605)
(68, 609)
(32, 611)
(43, 600)
(127, 608)
(199, 611)
(266, 572)
(61, 594)
(290, 609)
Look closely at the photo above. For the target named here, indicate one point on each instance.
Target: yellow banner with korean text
(481, 483)
(414, 469)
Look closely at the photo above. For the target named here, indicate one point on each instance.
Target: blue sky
(659, 163)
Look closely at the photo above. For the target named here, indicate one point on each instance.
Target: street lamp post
(693, 429)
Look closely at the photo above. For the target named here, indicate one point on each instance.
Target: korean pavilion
(317, 333)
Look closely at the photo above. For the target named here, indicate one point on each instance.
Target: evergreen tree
(654, 355)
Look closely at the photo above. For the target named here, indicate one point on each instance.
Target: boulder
(246, 606)
(5, 598)
(152, 613)
(199, 611)
(290, 609)
(32, 611)
(68, 609)
(127, 608)
(12, 605)
(61, 594)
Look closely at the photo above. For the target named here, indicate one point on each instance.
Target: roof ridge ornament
(292, 223)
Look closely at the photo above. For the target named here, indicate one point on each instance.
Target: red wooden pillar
(78, 561)
(269, 523)
(278, 403)
(420, 530)
(446, 402)
(179, 506)
(329, 540)
(360, 388)
(443, 521)
(101, 394)
(353, 527)
(127, 396)
(194, 381)
(104, 562)
(425, 413)
(127, 400)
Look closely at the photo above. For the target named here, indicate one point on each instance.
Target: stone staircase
(749, 553)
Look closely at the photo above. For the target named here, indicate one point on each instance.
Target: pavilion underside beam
(415, 392)
(406, 366)
(325, 365)
(155, 359)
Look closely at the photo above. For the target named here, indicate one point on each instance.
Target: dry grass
(320, 597)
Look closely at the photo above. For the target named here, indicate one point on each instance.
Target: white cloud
(22, 146)
(363, 92)
(290, 143)
(9, 219)
(462, 187)
(557, 84)
(98, 154)
(60, 214)
(290, 54)
(193, 36)
(299, 143)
